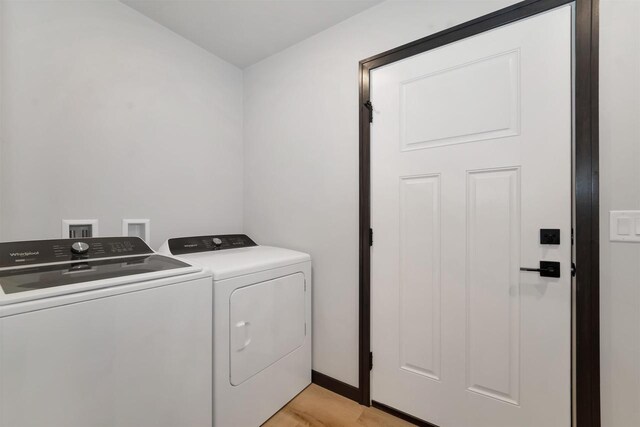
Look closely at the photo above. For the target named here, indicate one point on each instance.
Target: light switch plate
(624, 226)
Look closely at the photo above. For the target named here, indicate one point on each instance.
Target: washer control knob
(217, 242)
(80, 248)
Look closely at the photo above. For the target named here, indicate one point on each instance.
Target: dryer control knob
(217, 242)
(80, 248)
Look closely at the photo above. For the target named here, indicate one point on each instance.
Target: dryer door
(267, 322)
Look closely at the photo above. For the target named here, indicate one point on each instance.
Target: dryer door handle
(247, 335)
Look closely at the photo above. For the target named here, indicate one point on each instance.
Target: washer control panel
(189, 245)
(15, 254)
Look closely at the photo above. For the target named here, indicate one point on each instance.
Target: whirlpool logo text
(24, 254)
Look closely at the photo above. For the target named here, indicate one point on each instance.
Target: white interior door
(470, 159)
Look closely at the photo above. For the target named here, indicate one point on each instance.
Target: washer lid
(237, 262)
(13, 281)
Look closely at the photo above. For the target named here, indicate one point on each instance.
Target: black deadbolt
(549, 236)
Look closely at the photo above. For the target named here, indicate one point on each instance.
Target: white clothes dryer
(261, 326)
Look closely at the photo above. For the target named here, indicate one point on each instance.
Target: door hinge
(371, 237)
(573, 269)
(371, 360)
(572, 237)
(369, 106)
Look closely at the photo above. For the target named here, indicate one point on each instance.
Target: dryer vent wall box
(137, 228)
(262, 323)
(96, 331)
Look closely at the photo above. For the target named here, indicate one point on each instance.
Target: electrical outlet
(79, 228)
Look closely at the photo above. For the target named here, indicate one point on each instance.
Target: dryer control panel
(189, 245)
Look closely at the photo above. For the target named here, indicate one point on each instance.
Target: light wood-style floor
(317, 406)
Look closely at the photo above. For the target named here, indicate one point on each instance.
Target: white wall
(108, 115)
(619, 189)
(301, 156)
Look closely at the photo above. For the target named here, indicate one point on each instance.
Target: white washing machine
(262, 324)
(102, 333)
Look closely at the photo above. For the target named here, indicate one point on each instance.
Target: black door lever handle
(547, 269)
(530, 269)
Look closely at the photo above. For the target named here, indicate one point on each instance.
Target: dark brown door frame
(587, 335)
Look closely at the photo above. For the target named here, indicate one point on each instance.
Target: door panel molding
(420, 275)
(493, 214)
(587, 338)
(497, 75)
